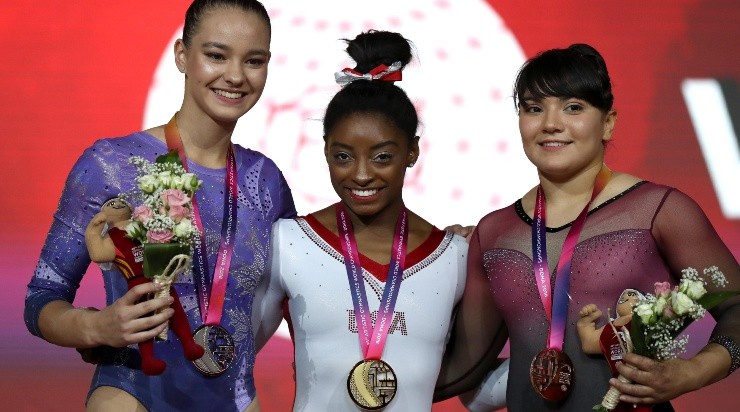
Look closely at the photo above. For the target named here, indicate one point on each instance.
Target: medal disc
(219, 349)
(372, 384)
(552, 374)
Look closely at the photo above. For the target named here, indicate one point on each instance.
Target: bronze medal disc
(219, 349)
(552, 374)
(372, 384)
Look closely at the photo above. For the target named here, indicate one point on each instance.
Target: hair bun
(375, 47)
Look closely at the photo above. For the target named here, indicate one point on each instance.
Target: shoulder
(285, 224)
(108, 156)
(499, 215)
(252, 157)
(326, 217)
(458, 243)
(114, 152)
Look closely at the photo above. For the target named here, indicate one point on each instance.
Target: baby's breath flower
(717, 277)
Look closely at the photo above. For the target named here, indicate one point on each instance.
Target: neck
(206, 142)
(572, 189)
(381, 225)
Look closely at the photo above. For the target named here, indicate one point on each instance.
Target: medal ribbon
(372, 342)
(211, 294)
(555, 302)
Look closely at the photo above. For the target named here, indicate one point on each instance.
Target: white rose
(645, 312)
(148, 183)
(695, 289)
(183, 229)
(190, 182)
(134, 230)
(660, 304)
(681, 303)
(166, 178)
(177, 182)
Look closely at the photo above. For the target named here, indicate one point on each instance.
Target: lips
(229, 95)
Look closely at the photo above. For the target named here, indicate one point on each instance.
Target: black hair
(200, 8)
(578, 71)
(370, 50)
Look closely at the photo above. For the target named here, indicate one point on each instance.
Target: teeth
(364, 193)
(228, 94)
(553, 144)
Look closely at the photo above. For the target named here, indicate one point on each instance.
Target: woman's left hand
(652, 381)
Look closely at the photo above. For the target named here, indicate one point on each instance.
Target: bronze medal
(552, 374)
(219, 350)
(372, 384)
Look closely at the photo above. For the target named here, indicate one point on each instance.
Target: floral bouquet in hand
(162, 221)
(658, 319)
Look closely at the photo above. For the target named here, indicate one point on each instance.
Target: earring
(411, 164)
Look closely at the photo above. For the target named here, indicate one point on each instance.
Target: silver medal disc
(219, 349)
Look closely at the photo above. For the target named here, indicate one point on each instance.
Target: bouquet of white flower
(162, 221)
(658, 319)
(166, 189)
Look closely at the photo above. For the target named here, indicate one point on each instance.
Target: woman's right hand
(132, 318)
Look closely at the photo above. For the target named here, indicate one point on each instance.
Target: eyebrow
(374, 147)
(223, 46)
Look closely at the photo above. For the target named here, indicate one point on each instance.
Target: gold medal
(372, 384)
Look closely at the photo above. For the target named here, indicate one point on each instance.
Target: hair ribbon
(390, 73)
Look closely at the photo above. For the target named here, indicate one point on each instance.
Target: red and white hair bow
(390, 73)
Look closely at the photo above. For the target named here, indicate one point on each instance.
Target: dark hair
(370, 50)
(199, 8)
(578, 71)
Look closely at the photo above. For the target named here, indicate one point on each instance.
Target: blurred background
(73, 72)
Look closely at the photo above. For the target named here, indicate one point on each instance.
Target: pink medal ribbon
(552, 373)
(555, 302)
(372, 342)
(211, 294)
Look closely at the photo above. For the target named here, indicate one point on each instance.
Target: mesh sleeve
(478, 335)
(687, 239)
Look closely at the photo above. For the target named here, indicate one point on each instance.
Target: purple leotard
(103, 172)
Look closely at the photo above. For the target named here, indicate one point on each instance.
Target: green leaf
(171, 157)
(158, 255)
(638, 337)
(710, 300)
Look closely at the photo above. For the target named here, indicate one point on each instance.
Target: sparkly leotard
(647, 234)
(103, 172)
(308, 270)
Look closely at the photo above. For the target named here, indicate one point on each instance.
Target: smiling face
(367, 157)
(225, 65)
(564, 136)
